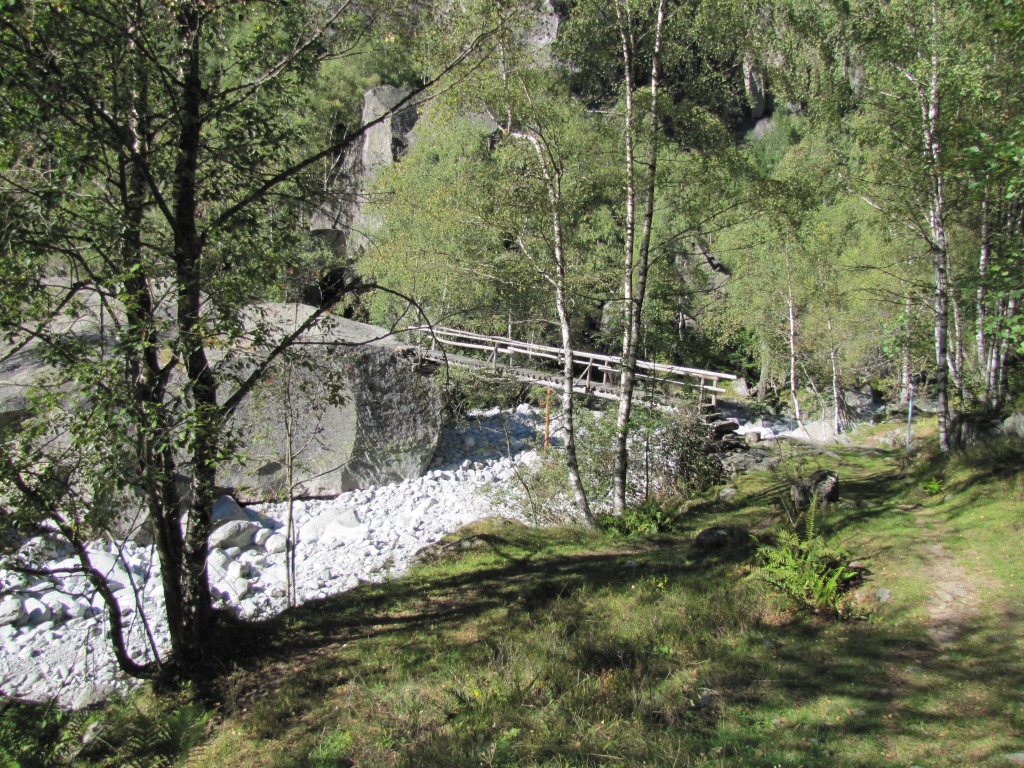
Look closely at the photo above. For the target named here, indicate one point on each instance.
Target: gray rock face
(11, 610)
(739, 388)
(341, 222)
(1013, 426)
(226, 509)
(236, 533)
(359, 415)
(753, 83)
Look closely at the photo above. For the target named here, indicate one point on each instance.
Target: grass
(564, 647)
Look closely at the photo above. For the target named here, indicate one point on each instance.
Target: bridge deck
(597, 373)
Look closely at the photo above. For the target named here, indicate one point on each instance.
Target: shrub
(694, 456)
(807, 568)
(647, 519)
(464, 390)
(34, 734)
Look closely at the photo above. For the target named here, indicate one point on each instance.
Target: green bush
(647, 519)
(34, 735)
(807, 568)
(464, 390)
(694, 456)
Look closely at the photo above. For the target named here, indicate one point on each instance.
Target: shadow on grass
(522, 577)
(791, 692)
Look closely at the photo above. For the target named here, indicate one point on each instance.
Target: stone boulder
(360, 415)
(723, 538)
(738, 388)
(822, 484)
(12, 610)
(967, 429)
(1013, 426)
(235, 533)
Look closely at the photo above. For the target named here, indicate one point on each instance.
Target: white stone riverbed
(53, 630)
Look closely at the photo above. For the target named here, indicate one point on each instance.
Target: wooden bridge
(597, 374)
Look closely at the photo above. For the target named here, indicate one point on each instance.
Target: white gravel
(53, 630)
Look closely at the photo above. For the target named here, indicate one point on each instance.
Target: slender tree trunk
(762, 382)
(189, 619)
(930, 107)
(1002, 388)
(956, 355)
(792, 354)
(559, 281)
(981, 313)
(837, 398)
(636, 259)
(568, 415)
(906, 381)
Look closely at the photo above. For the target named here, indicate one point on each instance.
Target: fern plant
(805, 567)
(35, 734)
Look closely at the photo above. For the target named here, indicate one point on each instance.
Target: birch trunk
(837, 398)
(636, 259)
(559, 281)
(792, 354)
(906, 382)
(929, 97)
(981, 313)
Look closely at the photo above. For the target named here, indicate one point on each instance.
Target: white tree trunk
(792, 353)
(636, 258)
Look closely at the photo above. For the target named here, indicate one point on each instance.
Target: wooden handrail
(593, 361)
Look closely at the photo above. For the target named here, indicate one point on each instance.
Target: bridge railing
(593, 364)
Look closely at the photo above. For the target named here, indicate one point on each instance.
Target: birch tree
(154, 167)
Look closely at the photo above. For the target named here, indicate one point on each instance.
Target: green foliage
(468, 389)
(767, 151)
(332, 751)
(807, 568)
(648, 518)
(35, 735)
(466, 216)
(143, 731)
(694, 456)
(152, 732)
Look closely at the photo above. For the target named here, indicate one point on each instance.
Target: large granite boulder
(358, 413)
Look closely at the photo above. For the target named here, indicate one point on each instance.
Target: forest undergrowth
(561, 646)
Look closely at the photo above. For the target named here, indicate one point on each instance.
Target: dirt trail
(954, 600)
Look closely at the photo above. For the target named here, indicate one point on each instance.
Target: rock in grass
(822, 484)
(720, 537)
(1013, 428)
